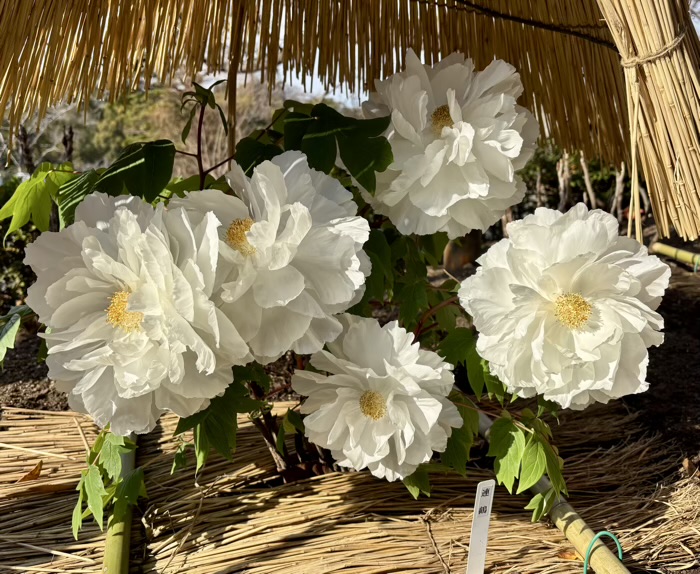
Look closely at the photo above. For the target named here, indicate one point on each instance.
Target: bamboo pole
(116, 559)
(566, 519)
(681, 255)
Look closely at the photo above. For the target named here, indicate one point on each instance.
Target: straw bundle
(237, 518)
(661, 58)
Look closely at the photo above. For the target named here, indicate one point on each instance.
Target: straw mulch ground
(238, 519)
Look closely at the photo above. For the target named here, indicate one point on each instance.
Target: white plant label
(480, 527)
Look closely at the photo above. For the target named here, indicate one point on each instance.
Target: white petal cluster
(126, 292)
(565, 307)
(293, 245)
(383, 406)
(458, 138)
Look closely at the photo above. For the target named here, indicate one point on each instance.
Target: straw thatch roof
(569, 59)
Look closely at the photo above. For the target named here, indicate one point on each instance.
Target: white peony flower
(458, 138)
(126, 292)
(384, 405)
(294, 247)
(565, 307)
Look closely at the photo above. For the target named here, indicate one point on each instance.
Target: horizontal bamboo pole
(681, 255)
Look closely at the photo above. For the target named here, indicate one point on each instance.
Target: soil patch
(23, 380)
(672, 403)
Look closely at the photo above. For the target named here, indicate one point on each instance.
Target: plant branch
(270, 442)
(200, 135)
(272, 123)
(212, 168)
(183, 152)
(267, 425)
(228, 159)
(430, 312)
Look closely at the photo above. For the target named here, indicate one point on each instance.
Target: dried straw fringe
(55, 51)
(234, 519)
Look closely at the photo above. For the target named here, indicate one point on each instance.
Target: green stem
(116, 559)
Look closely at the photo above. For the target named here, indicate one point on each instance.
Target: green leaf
(215, 427)
(179, 186)
(22, 310)
(204, 95)
(545, 406)
(77, 517)
(128, 491)
(111, 455)
(277, 124)
(71, 193)
(533, 465)
(180, 458)
(555, 466)
(254, 373)
(281, 436)
(447, 317)
(94, 491)
(188, 124)
(8, 334)
(322, 133)
(295, 126)
(32, 199)
(507, 445)
(377, 247)
(433, 247)
(43, 351)
(293, 422)
(57, 175)
(412, 300)
(456, 345)
(251, 152)
(460, 442)
(405, 248)
(319, 145)
(381, 278)
(97, 446)
(364, 150)
(302, 108)
(142, 169)
(494, 386)
(222, 116)
(541, 504)
(475, 371)
(418, 483)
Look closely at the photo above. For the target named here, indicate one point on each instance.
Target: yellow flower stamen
(236, 236)
(441, 119)
(572, 310)
(118, 316)
(373, 405)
